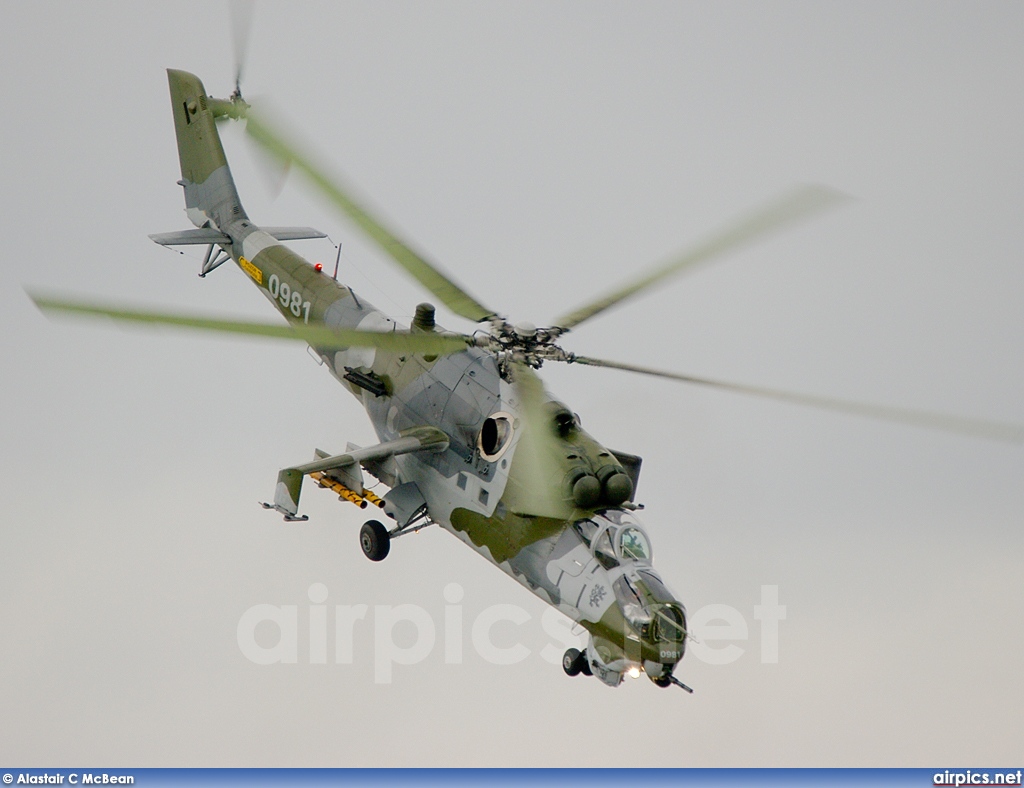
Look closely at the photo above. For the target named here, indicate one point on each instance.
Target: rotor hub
(523, 343)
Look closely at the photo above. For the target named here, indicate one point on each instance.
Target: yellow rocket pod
(378, 502)
(344, 493)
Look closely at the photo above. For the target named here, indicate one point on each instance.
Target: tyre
(571, 662)
(584, 663)
(374, 539)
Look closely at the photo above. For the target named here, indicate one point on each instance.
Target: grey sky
(541, 152)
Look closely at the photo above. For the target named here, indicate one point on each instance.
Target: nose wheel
(375, 540)
(575, 662)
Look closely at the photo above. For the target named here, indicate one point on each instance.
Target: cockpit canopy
(615, 537)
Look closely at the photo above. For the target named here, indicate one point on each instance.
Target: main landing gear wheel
(575, 662)
(571, 662)
(375, 541)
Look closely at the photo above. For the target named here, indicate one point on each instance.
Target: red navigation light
(319, 267)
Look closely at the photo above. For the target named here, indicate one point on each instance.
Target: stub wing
(344, 469)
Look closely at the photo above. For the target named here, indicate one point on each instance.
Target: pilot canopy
(616, 537)
(622, 547)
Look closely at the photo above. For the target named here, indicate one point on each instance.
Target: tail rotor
(241, 29)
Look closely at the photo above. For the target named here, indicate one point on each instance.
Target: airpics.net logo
(501, 634)
(969, 777)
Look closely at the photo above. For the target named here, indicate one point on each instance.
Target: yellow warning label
(250, 269)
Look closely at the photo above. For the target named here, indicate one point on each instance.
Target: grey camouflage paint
(492, 504)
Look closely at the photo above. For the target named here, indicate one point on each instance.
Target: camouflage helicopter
(470, 440)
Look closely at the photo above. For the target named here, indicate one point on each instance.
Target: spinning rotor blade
(318, 336)
(536, 471)
(241, 26)
(798, 204)
(450, 294)
(978, 428)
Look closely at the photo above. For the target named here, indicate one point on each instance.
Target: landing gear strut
(375, 540)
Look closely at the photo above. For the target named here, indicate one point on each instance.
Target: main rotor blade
(318, 336)
(979, 428)
(536, 470)
(426, 273)
(797, 204)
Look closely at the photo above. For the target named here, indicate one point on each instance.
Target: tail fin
(210, 195)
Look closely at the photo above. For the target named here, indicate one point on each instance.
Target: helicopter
(469, 438)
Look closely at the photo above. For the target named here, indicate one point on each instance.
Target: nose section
(667, 641)
(653, 613)
(670, 624)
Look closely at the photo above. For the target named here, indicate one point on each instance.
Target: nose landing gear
(575, 662)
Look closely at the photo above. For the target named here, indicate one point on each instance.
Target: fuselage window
(656, 587)
(634, 545)
(671, 624)
(633, 607)
(586, 529)
(603, 551)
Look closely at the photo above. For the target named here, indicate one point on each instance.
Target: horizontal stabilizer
(202, 235)
(207, 235)
(293, 233)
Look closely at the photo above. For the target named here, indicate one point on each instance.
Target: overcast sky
(542, 152)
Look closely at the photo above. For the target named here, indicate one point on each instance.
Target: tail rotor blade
(273, 169)
(978, 428)
(241, 27)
